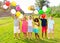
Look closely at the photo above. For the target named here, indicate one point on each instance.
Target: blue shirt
(43, 22)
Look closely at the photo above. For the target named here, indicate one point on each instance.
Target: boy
(16, 27)
(50, 27)
(44, 25)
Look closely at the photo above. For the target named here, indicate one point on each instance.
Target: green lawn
(6, 33)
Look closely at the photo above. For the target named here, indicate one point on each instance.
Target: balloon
(18, 13)
(7, 3)
(48, 10)
(41, 12)
(18, 8)
(35, 12)
(13, 3)
(37, 8)
(13, 11)
(5, 7)
(31, 8)
(44, 8)
(43, 15)
(21, 16)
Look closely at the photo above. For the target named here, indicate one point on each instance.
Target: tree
(41, 3)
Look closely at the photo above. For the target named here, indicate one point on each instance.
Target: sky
(25, 3)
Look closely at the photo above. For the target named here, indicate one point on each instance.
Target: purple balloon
(18, 8)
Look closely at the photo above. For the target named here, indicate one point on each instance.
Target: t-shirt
(35, 25)
(43, 22)
(30, 22)
(16, 22)
(50, 23)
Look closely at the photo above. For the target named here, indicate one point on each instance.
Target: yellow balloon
(31, 8)
(13, 3)
(18, 13)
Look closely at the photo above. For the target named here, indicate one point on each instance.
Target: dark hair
(36, 20)
(30, 16)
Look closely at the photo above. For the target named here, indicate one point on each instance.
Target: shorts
(30, 29)
(35, 30)
(50, 30)
(44, 29)
(16, 29)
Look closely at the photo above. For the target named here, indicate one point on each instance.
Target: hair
(36, 20)
(51, 16)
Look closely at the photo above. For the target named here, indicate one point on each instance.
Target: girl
(30, 27)
(36, 25)
(24, 26)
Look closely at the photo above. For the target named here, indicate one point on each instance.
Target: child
(30, 30)
(24, 27)
(36, 25)
(44, 25)
(16, 27)
(50, 27)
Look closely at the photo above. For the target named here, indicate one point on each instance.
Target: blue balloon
(38, 8)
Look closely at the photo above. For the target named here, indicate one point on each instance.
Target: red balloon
(7, 3)
(43, 16)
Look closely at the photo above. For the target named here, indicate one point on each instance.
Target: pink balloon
(18, 8)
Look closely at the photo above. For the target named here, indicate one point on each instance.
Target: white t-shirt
(16, 22)
(29, 22)
(50, 23)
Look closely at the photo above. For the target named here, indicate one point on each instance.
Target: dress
(24, 26)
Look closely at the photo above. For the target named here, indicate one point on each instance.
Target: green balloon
(48, 10)
(41, 12)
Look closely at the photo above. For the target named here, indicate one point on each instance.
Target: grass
(6, 33)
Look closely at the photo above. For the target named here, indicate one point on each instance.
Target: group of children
(30, 25)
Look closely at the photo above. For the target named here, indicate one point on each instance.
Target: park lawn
(6, 33)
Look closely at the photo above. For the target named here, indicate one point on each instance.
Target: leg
(49, 30)
(18, 35)
(52, 34)
(31, 35)
(28, 35)
(25, 35)
(15, 35)
(15, 32)
(42, 34)
(48, 35)
(42, 31)
(35, 35)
